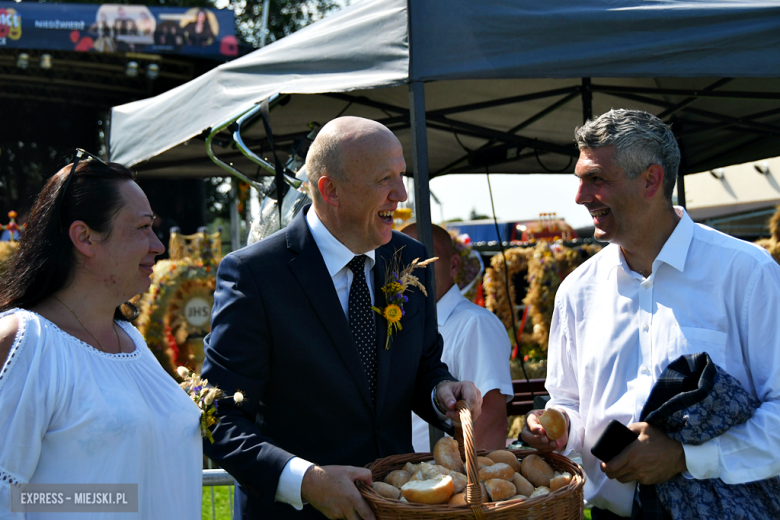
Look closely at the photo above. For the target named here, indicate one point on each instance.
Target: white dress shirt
(613, 332)
(336, 256)
(476, 349)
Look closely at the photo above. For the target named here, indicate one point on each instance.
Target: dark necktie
(361, 320)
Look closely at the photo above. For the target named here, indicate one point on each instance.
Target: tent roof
(506, 82)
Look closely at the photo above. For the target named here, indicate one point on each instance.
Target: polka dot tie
(361, 320)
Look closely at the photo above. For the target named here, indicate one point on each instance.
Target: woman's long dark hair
(44, 262)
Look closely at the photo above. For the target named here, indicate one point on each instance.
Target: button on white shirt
(614, 332)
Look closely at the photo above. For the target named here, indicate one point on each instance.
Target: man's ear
(654, 180)
(83, 238)
(454, 264)
(328, 190)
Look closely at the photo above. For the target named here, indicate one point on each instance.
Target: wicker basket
(563, 503)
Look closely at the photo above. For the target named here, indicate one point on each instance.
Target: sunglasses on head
(77, 158)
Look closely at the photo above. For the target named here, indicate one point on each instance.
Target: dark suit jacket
(279, 335)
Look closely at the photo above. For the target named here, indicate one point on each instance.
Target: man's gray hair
(640, 140)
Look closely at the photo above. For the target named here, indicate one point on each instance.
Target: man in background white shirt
(476, 348)
(663, 288)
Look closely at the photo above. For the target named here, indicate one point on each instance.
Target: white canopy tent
(494, 84)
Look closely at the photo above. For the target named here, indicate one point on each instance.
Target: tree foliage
(284, 18)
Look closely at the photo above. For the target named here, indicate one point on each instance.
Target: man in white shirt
(476, 348)
(663, 288)
(293, 329)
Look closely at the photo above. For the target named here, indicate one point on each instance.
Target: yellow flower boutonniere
(397, 280)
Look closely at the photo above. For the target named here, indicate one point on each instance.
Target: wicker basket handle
(473, 489)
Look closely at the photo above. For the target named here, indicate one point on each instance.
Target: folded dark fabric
(694, 401)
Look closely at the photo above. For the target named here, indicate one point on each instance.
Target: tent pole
(422, 194)
(264, 27)
(587, 101)
(235, 218)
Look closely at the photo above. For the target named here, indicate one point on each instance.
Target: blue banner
(196, 31)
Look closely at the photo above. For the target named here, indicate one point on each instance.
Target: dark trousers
(604, 514)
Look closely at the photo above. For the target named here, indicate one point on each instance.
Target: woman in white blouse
(82, 399)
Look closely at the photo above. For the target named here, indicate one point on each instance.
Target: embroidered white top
(73, 414)
(614, 331)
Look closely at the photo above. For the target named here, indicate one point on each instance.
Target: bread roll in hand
(553, 423)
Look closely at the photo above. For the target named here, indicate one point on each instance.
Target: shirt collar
(335, 254)
(674, 252)
(447, 304)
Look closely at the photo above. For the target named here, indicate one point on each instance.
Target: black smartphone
(615, 438)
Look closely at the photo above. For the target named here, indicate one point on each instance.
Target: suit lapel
(309, 269)
(384, 356)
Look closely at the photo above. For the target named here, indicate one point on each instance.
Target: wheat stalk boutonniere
(205, 397)
(397, 280)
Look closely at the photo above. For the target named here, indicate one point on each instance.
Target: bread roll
(541, 490)
(507, 457)
(432, 491)
(398, 478)
(411, 468)
(523, 486)
(416, 477)
(537, 471)
(483, 461)
(432, 470)
(446, 454)
(458, 500)
(386, 490)
(553, 423)
(441, 469)
(459, 481)
(560, 481)
(499, 489)
(518, 497)
(498, 470)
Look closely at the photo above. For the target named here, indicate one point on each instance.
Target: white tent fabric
(363, 46)
(510, 47)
